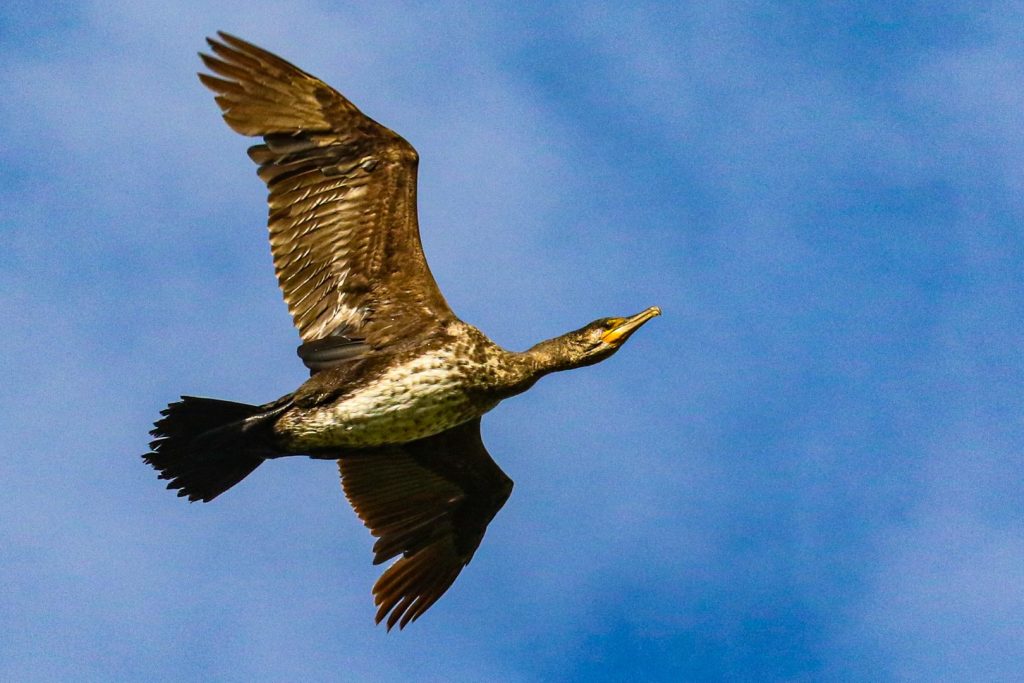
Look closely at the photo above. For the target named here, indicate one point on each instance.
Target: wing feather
(342, 199)
(428, 503)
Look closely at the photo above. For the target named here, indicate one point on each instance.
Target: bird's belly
(421, 399)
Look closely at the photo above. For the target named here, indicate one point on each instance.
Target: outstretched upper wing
(429, 501)
(343, 227)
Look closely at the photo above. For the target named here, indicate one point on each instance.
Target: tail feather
(204, 446)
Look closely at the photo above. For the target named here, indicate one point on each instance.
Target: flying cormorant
(398, 383)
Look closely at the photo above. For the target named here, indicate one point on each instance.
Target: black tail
(205, 446)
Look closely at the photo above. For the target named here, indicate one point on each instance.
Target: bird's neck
(546, 357)
(520, 370)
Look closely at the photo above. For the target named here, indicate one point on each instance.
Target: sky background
(810, 468)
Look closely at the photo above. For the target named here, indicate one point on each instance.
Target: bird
(398, 383)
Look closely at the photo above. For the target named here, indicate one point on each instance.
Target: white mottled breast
(424, 396)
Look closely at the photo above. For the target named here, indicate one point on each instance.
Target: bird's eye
(612, 323)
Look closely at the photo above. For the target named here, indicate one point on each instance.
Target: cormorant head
(592, 343)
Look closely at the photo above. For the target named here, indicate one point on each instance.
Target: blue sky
(809, 468)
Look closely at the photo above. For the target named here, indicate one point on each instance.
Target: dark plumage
(398, 383)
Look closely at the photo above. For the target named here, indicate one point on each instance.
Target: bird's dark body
(418, 391)
(398, 383)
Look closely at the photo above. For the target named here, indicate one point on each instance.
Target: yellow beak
(628, 326)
